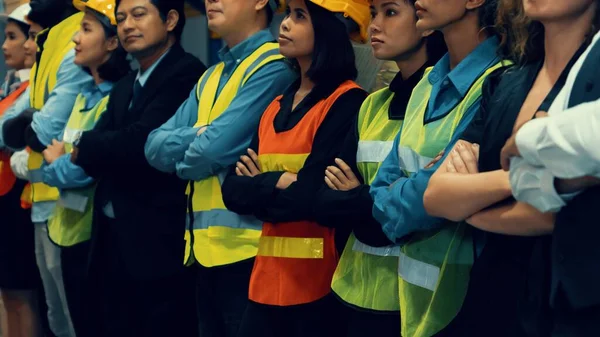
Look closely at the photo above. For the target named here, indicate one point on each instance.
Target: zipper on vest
(190, 207)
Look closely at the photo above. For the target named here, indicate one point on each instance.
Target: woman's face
(555, 10)
(92, 48)
(437, 14)
(394, 34)
(296, 33)
(30, 45)
(14, 46)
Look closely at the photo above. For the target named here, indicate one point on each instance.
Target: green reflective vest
(433, 267)
(367, 277)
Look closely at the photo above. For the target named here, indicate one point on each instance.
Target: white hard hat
(19, 14)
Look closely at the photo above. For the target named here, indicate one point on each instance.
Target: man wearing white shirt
(555, 166)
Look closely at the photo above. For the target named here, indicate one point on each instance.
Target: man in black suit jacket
(137, 249)
(565, 146)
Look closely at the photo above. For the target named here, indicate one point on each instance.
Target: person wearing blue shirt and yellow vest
(366, 279)
(98, 52)
(435, 256)
(209, 132)
(299, 134)
(55, 84)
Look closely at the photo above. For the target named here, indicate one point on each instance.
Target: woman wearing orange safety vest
(18, 270)
(299, 134)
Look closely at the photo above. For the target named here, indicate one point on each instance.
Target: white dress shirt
(563, 145)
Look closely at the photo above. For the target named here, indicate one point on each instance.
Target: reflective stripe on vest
(434, 266)
(367, 277)
(296, 260)
(58, 43)
(72, 220)
(216, 236)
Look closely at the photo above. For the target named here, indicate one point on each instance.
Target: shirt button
(434, 77)
(238, 61)
(446, 82)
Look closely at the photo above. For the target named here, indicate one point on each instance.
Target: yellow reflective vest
(43, 80)
(367, 277)
(71, 222)
(215, 235)
(433, 267)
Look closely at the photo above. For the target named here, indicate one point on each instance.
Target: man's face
(140, 26)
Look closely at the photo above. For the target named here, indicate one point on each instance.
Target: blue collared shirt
(62, 173)
(175, 147)
(398, 199)
(50, 121)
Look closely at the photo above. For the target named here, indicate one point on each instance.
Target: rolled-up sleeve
(229, 135)
(50, 121)
(565, 144)
(167, 145)
(63, 174)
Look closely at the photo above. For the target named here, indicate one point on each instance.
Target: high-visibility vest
(296, 260)
(433, 267)
(367, 277)
(216, 236)
(71, 222)
(43, 80)
(7, 177)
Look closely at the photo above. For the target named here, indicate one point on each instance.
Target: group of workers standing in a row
(270, 195)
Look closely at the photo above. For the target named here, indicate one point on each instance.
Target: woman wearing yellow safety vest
(299, 134)
(366, 279)
(97, 50)
(471, 185)
(435, 256)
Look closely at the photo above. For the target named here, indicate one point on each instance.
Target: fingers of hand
(541, 114)
(450, 167)
(330, 184)
(238, 172)
(333, 178)
(254, 158)
(468, 158)
(250, 164)
(243, 169)
(345, 169)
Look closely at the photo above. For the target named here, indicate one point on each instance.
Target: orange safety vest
(7, 177)
(295, 260)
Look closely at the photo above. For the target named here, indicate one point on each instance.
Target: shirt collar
(23, 74)
(246, 47)
(469, 69)
(143, 77)
(91, 89)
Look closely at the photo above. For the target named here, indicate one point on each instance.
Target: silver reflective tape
(377, 251)
(36, 176)
(73, 201)
(418, 273)
(410, 160)
(373, 151)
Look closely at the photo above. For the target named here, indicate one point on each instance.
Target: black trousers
(361, 323)
(74, 268)
(317, 319)
(128, 307)
(570, 322)
(222, 297)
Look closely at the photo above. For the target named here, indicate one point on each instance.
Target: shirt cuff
(535, 186)
(527, 140)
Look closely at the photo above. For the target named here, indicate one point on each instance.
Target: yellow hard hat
(357, 10)
(79, 4)
(104, 7)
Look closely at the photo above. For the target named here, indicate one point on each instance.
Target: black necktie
(137, 90)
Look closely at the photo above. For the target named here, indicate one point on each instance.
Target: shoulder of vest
(272, 55)
(205, 77)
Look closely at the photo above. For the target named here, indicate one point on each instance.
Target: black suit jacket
(575, 248)
(149, 205)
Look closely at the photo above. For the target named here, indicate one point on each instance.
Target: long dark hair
(333, 55)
